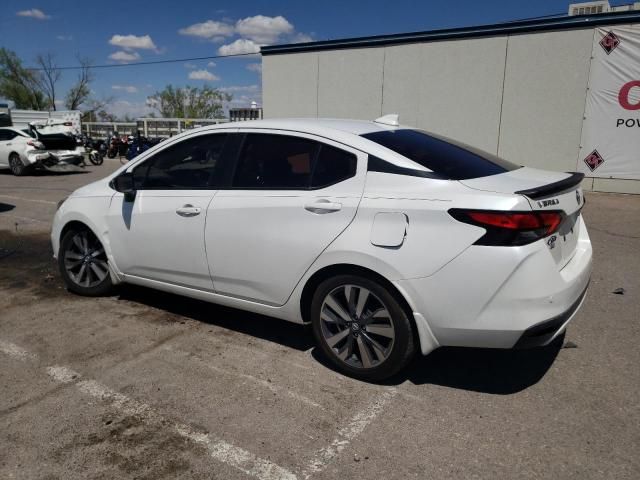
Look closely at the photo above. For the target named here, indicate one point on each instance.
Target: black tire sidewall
(403, 347)
(103, 288)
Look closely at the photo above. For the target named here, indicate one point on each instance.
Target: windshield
(447, 158)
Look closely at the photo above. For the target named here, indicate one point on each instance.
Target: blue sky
(166, 29)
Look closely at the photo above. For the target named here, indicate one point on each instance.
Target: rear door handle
(188, 210)
(323, 206)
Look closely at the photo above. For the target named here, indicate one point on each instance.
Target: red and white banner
(610, 145)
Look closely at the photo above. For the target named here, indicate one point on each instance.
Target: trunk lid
(58, 141)
(545, 191)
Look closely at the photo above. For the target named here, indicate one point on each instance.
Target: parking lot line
(218, 449)
(11, 197)
(15, 351)
(355, 427)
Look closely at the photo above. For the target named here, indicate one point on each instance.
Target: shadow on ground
(26, 263)
(492, 371)
(271, 329)
(6, 207)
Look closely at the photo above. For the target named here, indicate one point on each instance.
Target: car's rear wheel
(83, 263)
(17, 167)
(361, 327)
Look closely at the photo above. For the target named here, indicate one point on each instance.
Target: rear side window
(290, 163)
(332, 166)
(191, 164)
(447, 158)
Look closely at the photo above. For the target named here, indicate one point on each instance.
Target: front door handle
(188, 210)
(323, 206)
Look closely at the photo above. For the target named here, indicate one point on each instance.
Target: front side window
(447, 158)
(290, 163)
(191, 164)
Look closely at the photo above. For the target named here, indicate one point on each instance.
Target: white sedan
(387, 239)
(19, 150)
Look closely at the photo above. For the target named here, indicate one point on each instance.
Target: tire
(376, 341)
(96, 158)
(17, 167)
(111, 154)
(83, 264)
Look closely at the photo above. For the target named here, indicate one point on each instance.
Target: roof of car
(313, 125)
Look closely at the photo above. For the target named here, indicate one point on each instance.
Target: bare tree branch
(49, 77)
(79, 93)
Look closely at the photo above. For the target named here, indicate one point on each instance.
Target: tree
(79, 93)
(189, 102)
(19, 84)
(48, 77)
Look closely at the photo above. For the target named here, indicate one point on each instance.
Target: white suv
(386, 239)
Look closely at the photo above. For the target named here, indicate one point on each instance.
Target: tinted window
(7, 135)
(449, 159)
(332, 166)
(275, 161)
(194, 163)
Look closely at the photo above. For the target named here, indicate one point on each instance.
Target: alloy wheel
(16, 165)
(85, 260)
(357, 326)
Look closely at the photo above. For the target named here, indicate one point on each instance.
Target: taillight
(36, 144)
(510, 228)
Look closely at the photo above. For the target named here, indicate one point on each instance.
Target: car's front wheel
(17, 167)
(361, 327)
(83, 263)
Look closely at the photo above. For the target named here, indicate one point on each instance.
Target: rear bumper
(545, 332)
(493, 297)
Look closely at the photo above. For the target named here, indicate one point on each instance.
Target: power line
(154, 62)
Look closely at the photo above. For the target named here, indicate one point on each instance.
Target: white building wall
(461, 90)
(521, 96)
(544, 98)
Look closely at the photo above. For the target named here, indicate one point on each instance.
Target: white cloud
(64, 38)
(203, 75)
(121, 56)
(125, 88)
(301, 38)
(255, 67)
(262, 29)
(239, 47)
(241, 88)
(129, 42)
(190, 66)
(211, 64)
(122, 108)
(33, 13)
(210, 30)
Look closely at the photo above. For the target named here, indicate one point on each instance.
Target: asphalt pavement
(148, 385)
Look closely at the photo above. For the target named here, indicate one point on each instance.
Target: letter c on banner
(623, 96)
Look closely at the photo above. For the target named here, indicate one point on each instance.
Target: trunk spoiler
(553, 188)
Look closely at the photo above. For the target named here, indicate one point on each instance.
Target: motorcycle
(95, 149)
(118, 146)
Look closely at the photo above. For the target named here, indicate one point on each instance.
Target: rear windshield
(445, 157)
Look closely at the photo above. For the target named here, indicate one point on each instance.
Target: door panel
(261, 241)
(161, 236)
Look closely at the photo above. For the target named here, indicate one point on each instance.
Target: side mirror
(124, 183)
